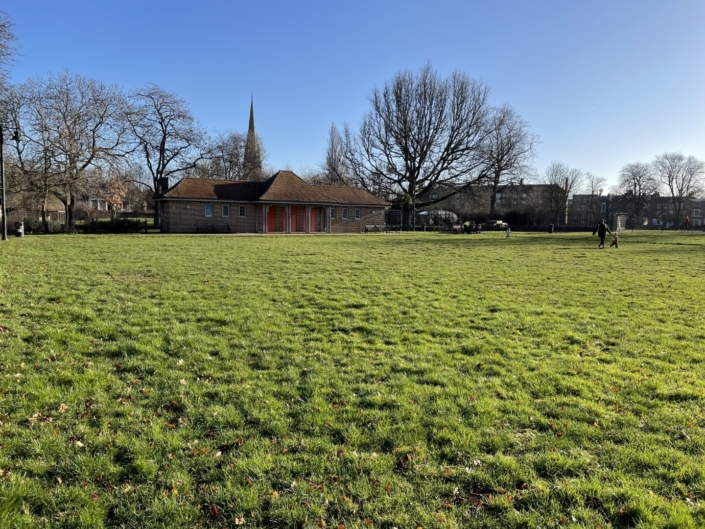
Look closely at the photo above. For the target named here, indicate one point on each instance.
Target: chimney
(521, 181)
(164, 184)
(566, 183)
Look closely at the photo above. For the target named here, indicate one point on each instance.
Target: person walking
(509, 232)
(602, 229)
(615, 240)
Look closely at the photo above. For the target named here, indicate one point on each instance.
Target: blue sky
(603, 83)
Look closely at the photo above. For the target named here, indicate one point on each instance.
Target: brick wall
(368, 215)
(184, 216)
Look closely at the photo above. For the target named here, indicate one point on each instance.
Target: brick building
(282, 204)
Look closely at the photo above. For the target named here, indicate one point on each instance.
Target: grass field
(352, 381)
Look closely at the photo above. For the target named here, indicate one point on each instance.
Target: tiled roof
(352, 195)
(285, 186)
(211, 189)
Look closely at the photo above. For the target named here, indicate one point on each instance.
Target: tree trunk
(157, 213)
(71, 213)
(45, 222)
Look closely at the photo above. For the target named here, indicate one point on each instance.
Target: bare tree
(68, 125)
(595, 187)
(563, 182)
(228, 153)
(335, 167)
(508, 148)
(637, 182)
(168, 139)
(683, 176)
(422, 132)
(8, 50)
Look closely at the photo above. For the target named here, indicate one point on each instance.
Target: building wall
(184, 216)
(368, 215)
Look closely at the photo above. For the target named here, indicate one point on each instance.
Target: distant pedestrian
(601, 229)
(686, 222)
(615, 240)
(509, 232)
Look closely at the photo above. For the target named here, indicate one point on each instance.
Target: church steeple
(252, 163)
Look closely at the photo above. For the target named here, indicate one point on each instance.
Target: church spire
(251, 128)
(252, 163)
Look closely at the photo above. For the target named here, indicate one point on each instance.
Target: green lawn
(352, 381)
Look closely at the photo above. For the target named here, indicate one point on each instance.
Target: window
(345, 213)
(243, 211)
(332, 213)
(697, 213)
(697, 222)
(357, 214)
(226, 210)
(603, 207)
(209, 210)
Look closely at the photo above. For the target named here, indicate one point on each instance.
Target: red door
(272, 219)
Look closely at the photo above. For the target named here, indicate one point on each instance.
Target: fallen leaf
(214, 512)
(239, 520)
(275, 494)
(63, 408)
(95, 496)
(182, 382)
(180, 362)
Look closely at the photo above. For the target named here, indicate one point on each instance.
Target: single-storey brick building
(283, 204)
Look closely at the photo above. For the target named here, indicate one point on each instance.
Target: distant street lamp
(15, 137)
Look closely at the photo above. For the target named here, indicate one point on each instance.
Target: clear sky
(602, 82)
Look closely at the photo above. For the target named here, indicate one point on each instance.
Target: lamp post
(15, 137)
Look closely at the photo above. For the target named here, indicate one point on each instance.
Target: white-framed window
(697, 213)
(345, 213)
(208, 210)
(357, 214)
(332, 213)
(697, 222)
(225, 211)
(603, 207)
(243, 211)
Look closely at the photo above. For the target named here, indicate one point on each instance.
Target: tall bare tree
(68, 125)
(8, 50)
(595, 186)
(683, 176)
(422, 132)
(637, 182)
(508, 148)
(168, 139)
(563, 182)
(335, 167)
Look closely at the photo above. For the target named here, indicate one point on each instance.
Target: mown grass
(356, 381)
